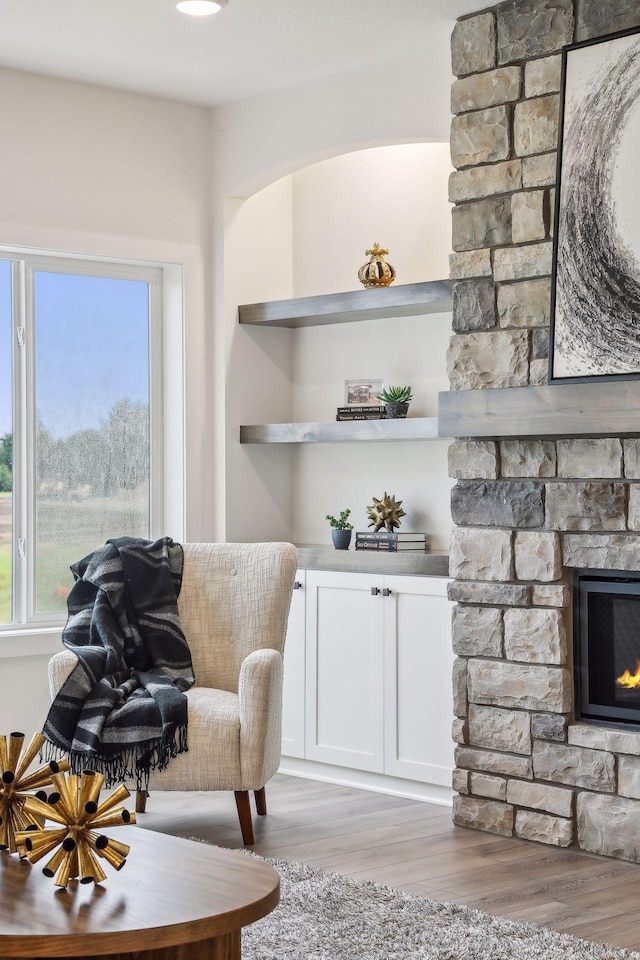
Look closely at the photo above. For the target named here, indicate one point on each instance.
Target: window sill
(29, 641)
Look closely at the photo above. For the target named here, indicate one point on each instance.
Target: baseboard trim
(364, 780)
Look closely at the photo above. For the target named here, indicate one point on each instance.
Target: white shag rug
(325, 916)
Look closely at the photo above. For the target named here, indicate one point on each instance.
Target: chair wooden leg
(244, 814)
(261, 801)
(141, 800)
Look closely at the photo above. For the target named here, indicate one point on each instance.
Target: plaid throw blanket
(123, 711)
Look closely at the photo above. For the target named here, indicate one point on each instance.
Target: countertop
(316, 556)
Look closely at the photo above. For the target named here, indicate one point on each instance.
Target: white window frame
(162, 280)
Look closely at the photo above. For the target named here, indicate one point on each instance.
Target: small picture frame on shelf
(362, 393)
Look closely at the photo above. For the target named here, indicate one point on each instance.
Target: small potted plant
(341, 530)
(396, 401)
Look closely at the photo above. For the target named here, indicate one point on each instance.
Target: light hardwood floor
(413, 846)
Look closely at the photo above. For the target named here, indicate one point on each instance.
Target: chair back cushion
(234, 599)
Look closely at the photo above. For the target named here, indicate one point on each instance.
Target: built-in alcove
(305, 236)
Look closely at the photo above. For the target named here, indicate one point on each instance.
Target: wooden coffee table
(174, 900)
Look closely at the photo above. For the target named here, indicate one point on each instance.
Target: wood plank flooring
(414, 846)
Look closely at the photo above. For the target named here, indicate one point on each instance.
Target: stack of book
(390, 542)
(368, 412)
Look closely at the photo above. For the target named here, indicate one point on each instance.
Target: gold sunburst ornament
(385, 513)
(79, 839)
(16, 786)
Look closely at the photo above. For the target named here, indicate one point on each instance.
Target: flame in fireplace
(630, 680)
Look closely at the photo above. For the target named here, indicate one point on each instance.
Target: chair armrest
(60, 666)
(260, 705)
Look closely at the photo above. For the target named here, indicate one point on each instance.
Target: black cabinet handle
(297, 585)
(386, 592)
(375, 591)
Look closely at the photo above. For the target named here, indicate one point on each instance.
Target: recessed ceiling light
(200, 8)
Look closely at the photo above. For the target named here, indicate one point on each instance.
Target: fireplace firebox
(607, 647)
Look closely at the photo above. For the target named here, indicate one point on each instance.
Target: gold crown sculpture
(376, 272)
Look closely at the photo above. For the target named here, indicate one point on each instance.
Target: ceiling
(250, 47)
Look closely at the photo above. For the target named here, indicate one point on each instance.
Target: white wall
(81, 158)
(396, 195)
(25, 694)
(258, 266)
(94, 171)
(261, 139)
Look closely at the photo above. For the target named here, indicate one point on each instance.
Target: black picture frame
(594, 330)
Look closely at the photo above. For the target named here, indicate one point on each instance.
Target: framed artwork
(595, 290)
(362, 393)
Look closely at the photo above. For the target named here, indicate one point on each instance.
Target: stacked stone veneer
(527, 511)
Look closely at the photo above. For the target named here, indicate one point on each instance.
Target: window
(6, 444)
(80, 431)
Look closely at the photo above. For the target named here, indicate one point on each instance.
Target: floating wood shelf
(404, 300)
(607, 409)
(411, 428)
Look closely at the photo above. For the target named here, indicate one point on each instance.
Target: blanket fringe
(134, 763)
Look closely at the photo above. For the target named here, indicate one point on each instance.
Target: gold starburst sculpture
(385, 513)
(16, 787)
(79, 839)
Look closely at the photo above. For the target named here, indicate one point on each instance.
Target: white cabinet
(418, 660)
(375, 652)
(344, 670)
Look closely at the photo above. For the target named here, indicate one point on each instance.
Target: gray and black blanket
(122, 711)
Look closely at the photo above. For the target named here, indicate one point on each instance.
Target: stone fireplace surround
(527, 508)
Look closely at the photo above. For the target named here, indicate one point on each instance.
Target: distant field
(5, 517)
(68, 531)
(5, 557)
(5, 583)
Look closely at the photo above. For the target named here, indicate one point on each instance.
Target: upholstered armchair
(233, 606)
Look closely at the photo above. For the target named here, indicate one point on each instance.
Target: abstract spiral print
(597, 306)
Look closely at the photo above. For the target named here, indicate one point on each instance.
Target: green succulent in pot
(396, 401)
(341, 529)
(396, 395)
(342, 522)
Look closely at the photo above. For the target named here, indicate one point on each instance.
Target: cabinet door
(293, 686)
(344, 670)
(418, 663)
